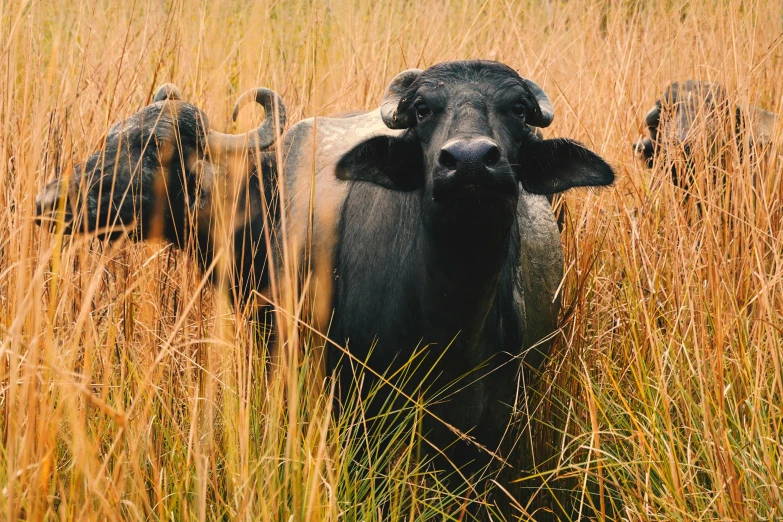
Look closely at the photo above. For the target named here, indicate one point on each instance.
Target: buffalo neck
(465, 248)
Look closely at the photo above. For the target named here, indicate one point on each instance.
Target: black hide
(153, 177)
(429, 246)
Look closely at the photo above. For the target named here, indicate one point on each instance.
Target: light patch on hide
(540, 269)
(314, 210)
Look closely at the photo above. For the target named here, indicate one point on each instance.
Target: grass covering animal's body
(694, 122)
(428, 228)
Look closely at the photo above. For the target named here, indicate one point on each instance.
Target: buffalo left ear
(389, 161)
(556, 165)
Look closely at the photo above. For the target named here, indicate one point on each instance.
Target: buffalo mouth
(53, 208)
(67, 225)
(53, 222)
(481, 185)
(58, 217)
(70, 208)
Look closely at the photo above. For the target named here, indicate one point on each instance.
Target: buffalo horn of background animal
(392, 100)
(264, 135)
(542, 115)
(167, 91)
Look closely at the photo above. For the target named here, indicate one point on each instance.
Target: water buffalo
(427, 228)
(696, 117)
(157, 175)
(431, 221)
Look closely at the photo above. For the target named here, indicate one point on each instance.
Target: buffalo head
(152, 173)
(692, 117)
(469, 141)
(695, 117)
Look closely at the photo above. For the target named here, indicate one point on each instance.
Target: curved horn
(542, 115)
(167, 91)
(264, 135)
(392, 99)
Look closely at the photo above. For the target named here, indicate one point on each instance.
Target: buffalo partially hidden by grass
(162, 173)
(694, 121)
(425, 223)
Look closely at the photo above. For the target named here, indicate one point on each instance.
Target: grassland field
(132, 390)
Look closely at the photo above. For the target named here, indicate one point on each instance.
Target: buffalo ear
(556, 165)
(392, 162)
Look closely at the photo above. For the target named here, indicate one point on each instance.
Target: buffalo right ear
(555, 165)
(392, 162)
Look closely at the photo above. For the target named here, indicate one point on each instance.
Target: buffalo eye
(519, 110)
(422, 111)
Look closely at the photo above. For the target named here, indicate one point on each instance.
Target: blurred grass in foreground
(131, 390)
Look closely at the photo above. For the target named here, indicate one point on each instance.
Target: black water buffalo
(159, 173)
(696, 116)
(427, 230)
(431, 221)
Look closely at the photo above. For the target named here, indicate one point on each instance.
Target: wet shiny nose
(472, 154)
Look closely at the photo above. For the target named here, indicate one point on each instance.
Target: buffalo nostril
(447, 160)
(492, 156)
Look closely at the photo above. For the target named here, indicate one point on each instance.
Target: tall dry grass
(131, 390)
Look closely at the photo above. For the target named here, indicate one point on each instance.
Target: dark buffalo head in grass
(469, 143)
(694, 119)
(690, 118)
(150, 177)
